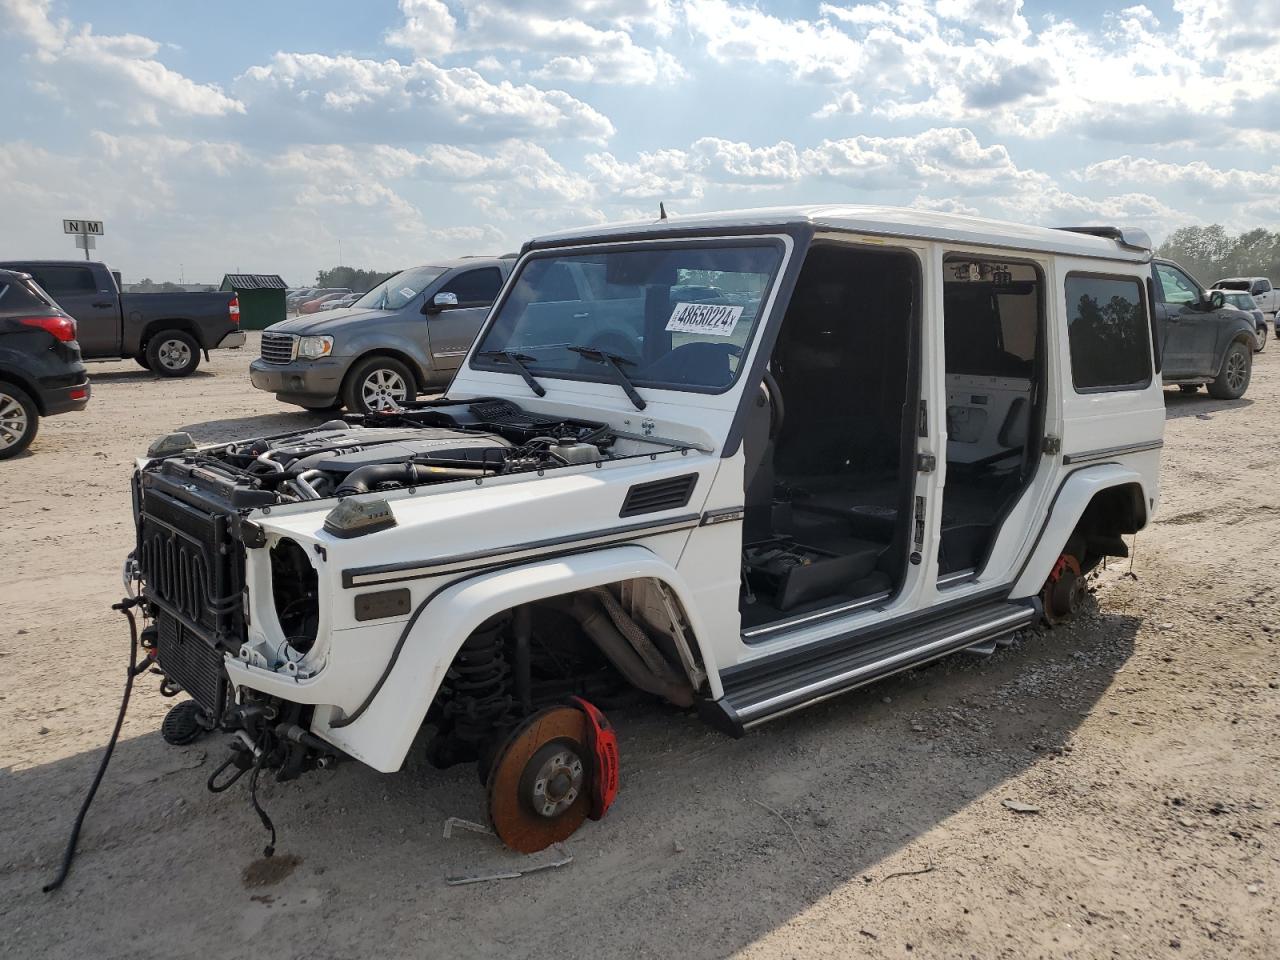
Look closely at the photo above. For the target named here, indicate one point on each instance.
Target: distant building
(261, 298)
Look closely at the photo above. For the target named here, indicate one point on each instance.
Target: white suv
(740, 462)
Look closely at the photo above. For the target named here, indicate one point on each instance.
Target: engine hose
(365, 478)
(135, 668)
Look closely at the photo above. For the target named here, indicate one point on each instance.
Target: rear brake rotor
(539, 784)
(1064, 592)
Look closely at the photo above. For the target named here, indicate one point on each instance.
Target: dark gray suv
(404, 337)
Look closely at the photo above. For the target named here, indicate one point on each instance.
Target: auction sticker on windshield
(408, 292)
(713, 319)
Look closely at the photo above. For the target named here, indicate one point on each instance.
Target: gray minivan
(404, 337)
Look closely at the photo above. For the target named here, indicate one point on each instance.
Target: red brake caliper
(603, 744)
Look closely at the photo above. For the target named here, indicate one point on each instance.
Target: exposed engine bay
(424, 444)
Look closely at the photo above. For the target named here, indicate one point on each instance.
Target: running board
(762, 691)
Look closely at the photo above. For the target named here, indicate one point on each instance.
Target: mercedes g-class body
(740, 462)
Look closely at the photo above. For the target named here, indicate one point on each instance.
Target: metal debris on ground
(563, 859)
(461, 824)
(787, 823)
(1018, 807)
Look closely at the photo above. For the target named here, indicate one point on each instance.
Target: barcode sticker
(408, 292)
(712, 319)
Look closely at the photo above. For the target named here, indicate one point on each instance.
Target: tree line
(352, 278)
(1211, 254)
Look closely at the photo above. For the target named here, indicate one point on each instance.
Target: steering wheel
(777, 409)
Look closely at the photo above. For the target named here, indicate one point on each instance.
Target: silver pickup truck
(404, 337)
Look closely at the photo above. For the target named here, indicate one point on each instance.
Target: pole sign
(89, 228)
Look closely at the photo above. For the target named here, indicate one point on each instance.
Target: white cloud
(325, 97)
(981, 61)
(115, 72)
(1231, 183)
(570, 47)
(428, 28)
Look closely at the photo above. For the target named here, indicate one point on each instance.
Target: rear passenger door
(451, 330)
(95, 305)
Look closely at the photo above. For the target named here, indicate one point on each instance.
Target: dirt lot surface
(1147, 737)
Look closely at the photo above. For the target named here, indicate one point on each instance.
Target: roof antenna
(662, 210)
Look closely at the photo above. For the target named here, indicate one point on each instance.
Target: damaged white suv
(741, 462)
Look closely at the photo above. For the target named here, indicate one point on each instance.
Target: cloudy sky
(261, 136)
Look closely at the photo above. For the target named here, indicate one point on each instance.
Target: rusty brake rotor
(539, 783)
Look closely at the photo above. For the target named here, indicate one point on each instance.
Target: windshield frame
(783, 243)
(359, 305)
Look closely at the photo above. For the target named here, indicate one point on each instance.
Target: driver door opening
(829, 441)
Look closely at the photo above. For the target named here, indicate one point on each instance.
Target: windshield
(397, 291)
(675, 317)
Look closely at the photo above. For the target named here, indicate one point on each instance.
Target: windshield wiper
(517, 360)
(613, 361)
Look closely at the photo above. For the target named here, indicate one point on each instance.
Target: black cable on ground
(270, 848)
(134, 669)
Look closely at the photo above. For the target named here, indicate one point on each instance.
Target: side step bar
(762, 691)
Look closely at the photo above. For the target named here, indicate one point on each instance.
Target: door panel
(1188, 332)
(97, 312)
(450, 333)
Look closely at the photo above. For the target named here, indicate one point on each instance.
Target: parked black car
(1202, 342)
(164, 332)
(40, 369)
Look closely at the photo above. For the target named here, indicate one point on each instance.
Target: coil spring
(480, 685)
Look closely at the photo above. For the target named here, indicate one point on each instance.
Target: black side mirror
(1216, 300)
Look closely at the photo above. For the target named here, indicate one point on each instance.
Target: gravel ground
(1144, 736)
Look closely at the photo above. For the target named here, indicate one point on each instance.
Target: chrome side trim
(957, 576)
(829, 687)
(755, 633)
(1106, 454)
(461, 563)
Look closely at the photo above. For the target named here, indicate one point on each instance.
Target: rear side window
(63, 280)
(475, 286)
(1108, 332)
(24, 295)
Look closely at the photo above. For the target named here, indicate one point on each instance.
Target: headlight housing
(313, 348)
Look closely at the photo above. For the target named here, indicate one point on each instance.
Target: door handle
(101, 304)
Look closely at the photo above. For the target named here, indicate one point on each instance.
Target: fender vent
(659, 495)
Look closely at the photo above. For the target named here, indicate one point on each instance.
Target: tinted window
(475, 286)
(62, 280)
(1108, 331)
(24, 295)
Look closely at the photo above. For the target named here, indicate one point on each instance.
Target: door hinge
(926, 463)
(1051, 445)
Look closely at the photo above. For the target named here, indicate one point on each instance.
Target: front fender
(1068, 506)
(382, 733)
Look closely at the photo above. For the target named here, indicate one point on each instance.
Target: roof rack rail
(1130, 237)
